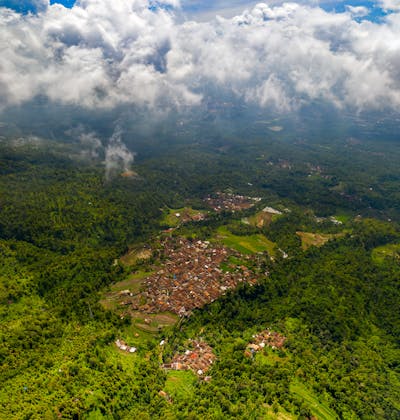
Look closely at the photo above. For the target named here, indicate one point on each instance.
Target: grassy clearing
(135, 254)
(269, 357)
(262, 219)
(175, 217)
(153, 323)
(133, 283)
(317, 239)
(380, 253)
(136, 336)
(250, 244)
(319, 408)
(180, 384)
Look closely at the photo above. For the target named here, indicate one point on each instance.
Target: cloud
(104, 53)
(98, 54)
(91, 146)
(358, 11)
(117, 156)
(390, 5)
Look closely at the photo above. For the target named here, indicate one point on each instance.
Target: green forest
(326, 269)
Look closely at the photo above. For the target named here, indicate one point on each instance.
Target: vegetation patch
(249, 244)
(277, 413)
(389, 251)
(232, 263)
(153, 323)
(262, 219)
(133, 282)
(342, 217)
(314, 239)
(119, 291)
(318, 408)
(134, 255)
(180, 384)
(175, 217)
(269, 357)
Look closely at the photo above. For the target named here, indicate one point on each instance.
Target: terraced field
(319, 409)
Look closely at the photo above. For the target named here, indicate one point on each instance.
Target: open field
(152, 323)
(269, 357)
(250, 244)
(380, 253)
(262, 219)
(144, 329)
(135, 254)
(180, 384)
(315, 239)
(174, 217)
(133, 283)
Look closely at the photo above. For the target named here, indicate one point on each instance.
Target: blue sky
(66, 3)
(208, 8)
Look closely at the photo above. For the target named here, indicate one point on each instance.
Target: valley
(131, 296)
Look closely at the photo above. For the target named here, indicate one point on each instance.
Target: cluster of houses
(124, 347)
(190, 278)
(266, 338)
(230, 202)
(199, 358)
(186, 216)
(281, 163)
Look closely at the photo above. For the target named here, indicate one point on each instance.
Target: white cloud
(271, 92)
(103, 53)
(390, 5)
(91, 145)
(117, 156)
(358, 11)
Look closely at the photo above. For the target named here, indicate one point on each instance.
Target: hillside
(271, 328)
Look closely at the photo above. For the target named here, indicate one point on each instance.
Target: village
(186, 216)
(266, 338)
(230, 202)
(199, 356)
(198, 359)
(190, 277)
